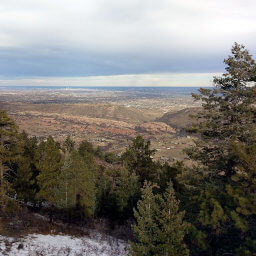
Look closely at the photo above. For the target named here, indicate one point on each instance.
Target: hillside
(32, 234)
(105, 111)
(180, 119)
(106, 125)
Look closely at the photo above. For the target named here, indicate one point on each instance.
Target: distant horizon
(108, 86)
(131, 80)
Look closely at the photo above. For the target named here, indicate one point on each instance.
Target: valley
(109, 119)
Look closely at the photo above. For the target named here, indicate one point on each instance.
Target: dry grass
(28, 223)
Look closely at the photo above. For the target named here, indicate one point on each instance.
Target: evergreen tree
(160, 228)
(76, 188)
(170, 173)
(242, 192)
(69, 144)
(242, 185)
(228, 112)
(49, 165)
(98, 153)
(227, 125)
(138, 158)
(8, 142)
(117, 193)
(105, 183)
(85, 147)
(25, 183)
(64, 197)
(111, 158)
(86, 151)
(125, 194)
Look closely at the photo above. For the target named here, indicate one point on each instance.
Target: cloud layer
(63, 38)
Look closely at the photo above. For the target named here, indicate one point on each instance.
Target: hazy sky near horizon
(168, 79)
(121, 42)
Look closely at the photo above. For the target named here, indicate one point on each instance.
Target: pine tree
(49, 165)
(76, 188)
(160, 228)
(63, 191)
(86, 151)
(25, 183)
(242, 192)
(227, 125)
(228, 112)
(173, 228)
(85, 147)
(69, 144)
(98, 153)
(8, 141)
(111, 158)
(125, 194)
(138, 158)
(242, 187)
(171, 173)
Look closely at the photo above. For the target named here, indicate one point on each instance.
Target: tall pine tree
(160, 229)
(227, 125)
(25, 182)
(49, 164)
(8, 142)
(228, 112)
(76, 185)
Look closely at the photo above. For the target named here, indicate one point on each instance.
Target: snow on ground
(50, 245)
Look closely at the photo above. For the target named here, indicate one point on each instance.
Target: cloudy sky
(120, 42)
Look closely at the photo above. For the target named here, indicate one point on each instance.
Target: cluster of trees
(224, 221)
(77, 180)
(206, 209)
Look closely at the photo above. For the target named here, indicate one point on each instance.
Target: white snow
(50, 245)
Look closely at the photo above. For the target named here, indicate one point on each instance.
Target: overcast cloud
(78, 38)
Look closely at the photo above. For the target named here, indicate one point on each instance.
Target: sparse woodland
(208, 209)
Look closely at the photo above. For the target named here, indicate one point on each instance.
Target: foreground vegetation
(208, 209)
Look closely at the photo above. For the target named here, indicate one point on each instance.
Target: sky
(121, 42)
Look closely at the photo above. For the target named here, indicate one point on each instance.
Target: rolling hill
(180, 119)
(105, 111)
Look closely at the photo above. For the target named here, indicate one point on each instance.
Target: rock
(20, 246)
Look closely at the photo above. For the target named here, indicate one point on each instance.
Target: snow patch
(38, 244)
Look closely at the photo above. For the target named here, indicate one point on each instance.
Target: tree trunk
(51, 214)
